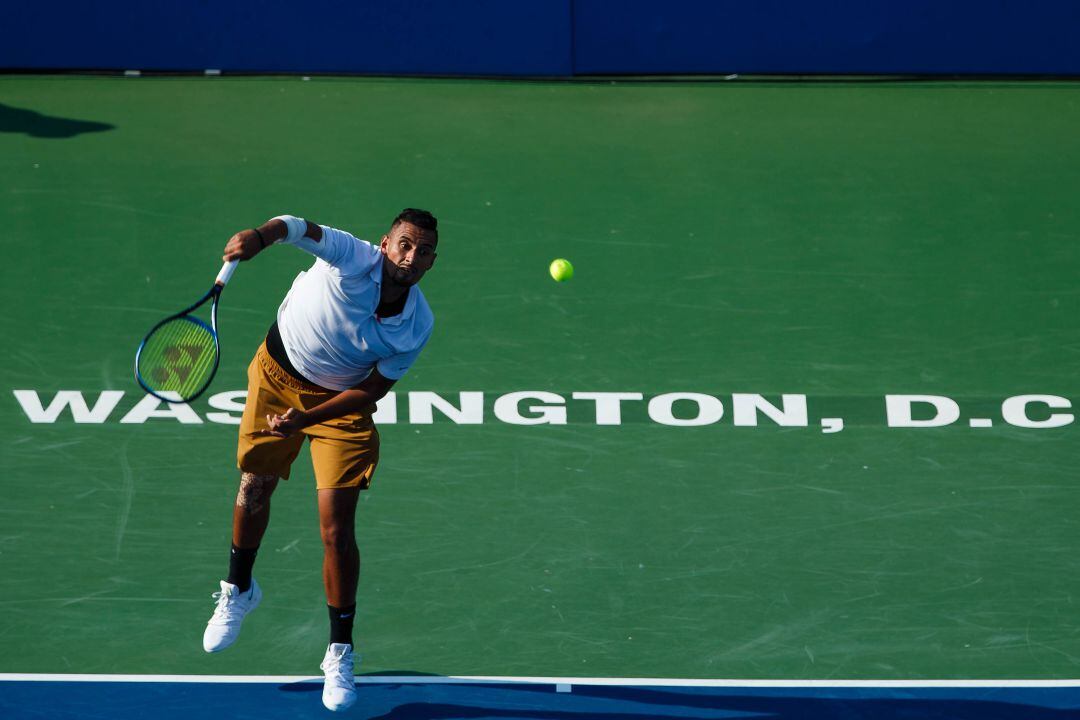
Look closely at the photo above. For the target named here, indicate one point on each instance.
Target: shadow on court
(668, 705)
(35, 124)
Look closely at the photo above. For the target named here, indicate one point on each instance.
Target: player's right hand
(282, 426)
(244, 245)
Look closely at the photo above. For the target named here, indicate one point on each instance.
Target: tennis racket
(177, 359)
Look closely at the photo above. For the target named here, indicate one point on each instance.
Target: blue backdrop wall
(791, 37)
(453, 37)
(547, 37)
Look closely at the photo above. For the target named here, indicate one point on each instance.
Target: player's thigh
(265, 454)
(347, 461)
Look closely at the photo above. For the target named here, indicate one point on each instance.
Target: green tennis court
(742, 241)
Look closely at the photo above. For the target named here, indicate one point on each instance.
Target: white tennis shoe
(232, 607)
(339, 690)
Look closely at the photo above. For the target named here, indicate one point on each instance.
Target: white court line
(474, 679)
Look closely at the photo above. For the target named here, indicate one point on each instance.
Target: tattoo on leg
(254, 492)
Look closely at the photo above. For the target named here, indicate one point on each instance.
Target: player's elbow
(373, 389)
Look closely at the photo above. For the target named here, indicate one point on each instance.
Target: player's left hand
(282, 426)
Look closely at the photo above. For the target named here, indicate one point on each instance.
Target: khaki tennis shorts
(344, 450)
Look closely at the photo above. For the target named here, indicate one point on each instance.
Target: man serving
(348, 329)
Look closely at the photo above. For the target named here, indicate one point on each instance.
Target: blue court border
(162, 697)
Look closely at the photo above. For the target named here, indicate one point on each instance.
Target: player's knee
(254, 493)
(338, 537)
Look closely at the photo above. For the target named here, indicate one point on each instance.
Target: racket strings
(178, 357)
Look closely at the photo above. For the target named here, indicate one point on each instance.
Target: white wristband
(296, 228)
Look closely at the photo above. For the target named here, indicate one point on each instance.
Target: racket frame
(214, 293)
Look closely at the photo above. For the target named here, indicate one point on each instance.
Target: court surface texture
(800, 425)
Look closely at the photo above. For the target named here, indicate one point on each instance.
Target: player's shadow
(35, 124)
(675, 705)
(630, 703)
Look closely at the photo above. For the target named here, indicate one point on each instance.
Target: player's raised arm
(339, 249)
(246, 244)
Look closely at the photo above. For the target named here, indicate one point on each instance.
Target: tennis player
(349, 328)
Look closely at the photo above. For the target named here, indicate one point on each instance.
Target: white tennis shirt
(328, 323)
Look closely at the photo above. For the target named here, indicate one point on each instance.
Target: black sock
(241, 561)
(341, 620)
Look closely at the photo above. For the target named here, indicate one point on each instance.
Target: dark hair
(420, 218)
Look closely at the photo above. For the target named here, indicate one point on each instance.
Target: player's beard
(404, 276)
(398, 275)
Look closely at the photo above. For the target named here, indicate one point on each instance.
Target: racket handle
(226, 272)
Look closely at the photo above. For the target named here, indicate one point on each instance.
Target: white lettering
(233, 400)
(832, 425)
(608, 404)
(1014, 410)
(898, 410)
(471, 411)
(150, 407)
(709, 411)
(554, 413)
(386, 410)
(31, 405)
(539, 407)
(745, 408)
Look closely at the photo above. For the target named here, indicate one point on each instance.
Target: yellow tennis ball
(561, 270)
